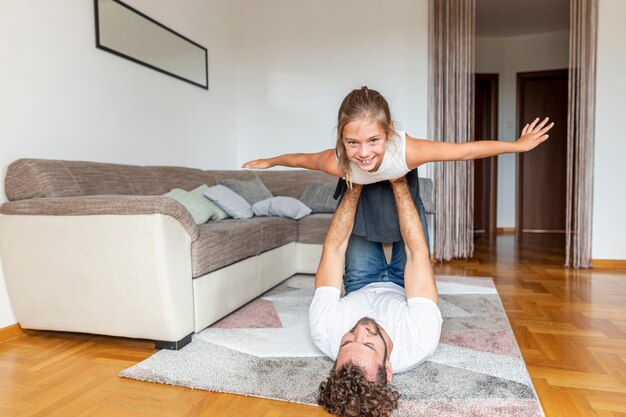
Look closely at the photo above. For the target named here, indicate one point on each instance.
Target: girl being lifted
(370, 151)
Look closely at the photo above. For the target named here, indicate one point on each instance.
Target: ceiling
(503, 18)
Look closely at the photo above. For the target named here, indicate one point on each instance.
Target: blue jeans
(365, 261)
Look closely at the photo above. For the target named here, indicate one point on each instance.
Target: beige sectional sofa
(91, 247)
(95, 248)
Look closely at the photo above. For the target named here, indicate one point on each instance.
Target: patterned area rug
(264, 350)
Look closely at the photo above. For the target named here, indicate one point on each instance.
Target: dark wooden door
(541, 181)
(485, 170)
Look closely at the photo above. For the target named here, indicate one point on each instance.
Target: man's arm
(331, 267)
(419, 279)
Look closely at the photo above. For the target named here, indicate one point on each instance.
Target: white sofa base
(114, 275)
(309, 256)
(240, 283)
(128, 275)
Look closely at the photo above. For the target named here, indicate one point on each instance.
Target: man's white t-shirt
(414, 324)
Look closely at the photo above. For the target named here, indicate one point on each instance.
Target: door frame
(521, 78)
(493, 78)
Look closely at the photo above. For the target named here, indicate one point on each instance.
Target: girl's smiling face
(364, 140)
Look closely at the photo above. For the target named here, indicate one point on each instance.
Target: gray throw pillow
(426, 194)
(281, 206)
(252, 191)
(319, 197)
(229, 201)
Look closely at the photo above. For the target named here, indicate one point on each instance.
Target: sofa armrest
(104, 205)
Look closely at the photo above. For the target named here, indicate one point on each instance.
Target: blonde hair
(360, 103)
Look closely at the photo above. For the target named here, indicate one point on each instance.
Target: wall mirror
(126, 32)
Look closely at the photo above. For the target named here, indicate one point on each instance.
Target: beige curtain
(580, 131)
(450, 119)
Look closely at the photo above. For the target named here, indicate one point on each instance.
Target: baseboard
(609, 263)
(8, 332)
(505, 230)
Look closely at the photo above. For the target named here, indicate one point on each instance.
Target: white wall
(277, 74)
(507, 57)
(609, 198)
(63, 98)
(298, 60)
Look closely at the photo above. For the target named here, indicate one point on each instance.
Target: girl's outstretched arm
(324, 161)
(420, 151)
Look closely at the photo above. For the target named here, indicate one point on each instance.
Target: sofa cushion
(313, 228)
(34, 178)
(319, 197)
(224, 242)
(292, 183)
(44, 178)
(275, 232)
(252, 190)
(180, 177)
(103, 205)
(220, 175)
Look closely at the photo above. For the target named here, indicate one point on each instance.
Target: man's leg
(365, 263)
(419, 279)
(330, 270)
(398, 254)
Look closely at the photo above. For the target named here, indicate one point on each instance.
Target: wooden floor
(570, 325)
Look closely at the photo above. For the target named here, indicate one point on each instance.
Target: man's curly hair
(347, 393)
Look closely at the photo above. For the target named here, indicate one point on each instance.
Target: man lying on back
(379, 329)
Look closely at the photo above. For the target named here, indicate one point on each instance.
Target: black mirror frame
(105, 48)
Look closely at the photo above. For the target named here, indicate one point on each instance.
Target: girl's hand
(533, 134)
(258, 164)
